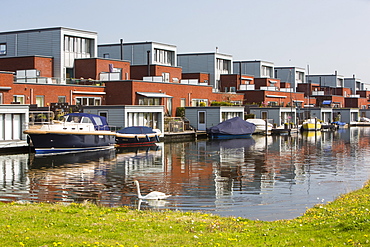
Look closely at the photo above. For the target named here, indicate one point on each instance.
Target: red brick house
(171, 95)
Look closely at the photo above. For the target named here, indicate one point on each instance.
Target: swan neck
(138, 189)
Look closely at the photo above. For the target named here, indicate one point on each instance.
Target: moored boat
(311, 124)
(232, 128)
(262, 126)
(137, 136)
(77, 132)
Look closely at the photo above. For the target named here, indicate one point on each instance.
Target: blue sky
(327, 35)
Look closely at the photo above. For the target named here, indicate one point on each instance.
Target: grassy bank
(346, 221)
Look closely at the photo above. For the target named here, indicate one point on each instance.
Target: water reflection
(264, 177)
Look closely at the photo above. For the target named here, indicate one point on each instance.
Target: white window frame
(3, 49)
(19, 98)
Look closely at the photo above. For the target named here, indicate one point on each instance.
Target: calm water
(264, 178)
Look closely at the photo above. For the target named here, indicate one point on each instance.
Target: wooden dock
(183, 136)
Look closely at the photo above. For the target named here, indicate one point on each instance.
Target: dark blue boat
(232, 128)
(137, 136)
(78, 132)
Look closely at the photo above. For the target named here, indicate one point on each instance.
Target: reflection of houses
(13, 175)
(122, 116)
(201, 118)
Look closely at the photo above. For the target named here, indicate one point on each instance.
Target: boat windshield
(72, 119)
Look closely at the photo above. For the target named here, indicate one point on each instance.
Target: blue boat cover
(99, 122)
(136, 130)
(339, 123)
(233, 126)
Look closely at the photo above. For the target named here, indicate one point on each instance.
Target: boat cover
(99, 122)
(233, 126)
(339, 123)
(136, 130)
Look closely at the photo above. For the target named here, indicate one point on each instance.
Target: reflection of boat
(232, 128)
(138, 153)
(311, 135)
(262, 126)
(76, 133)
(137, 136)
(234, 143)
(138, 149)
(311, 124)
(55, 161)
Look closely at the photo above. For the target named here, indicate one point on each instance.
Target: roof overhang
(85, 92)
(154, 95)
(275, 96)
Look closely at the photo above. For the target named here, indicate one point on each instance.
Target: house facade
(257, 69)
(291, 75)
(140, 53)
(64, 45)
(202, 118)
(213, 63)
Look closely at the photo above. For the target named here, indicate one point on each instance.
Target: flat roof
(46, 29)
(136, 43)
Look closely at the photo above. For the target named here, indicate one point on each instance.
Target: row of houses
(63, 66)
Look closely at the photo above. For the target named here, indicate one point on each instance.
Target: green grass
(344, 222)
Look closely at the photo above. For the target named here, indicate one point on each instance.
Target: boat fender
(136, 138)
(147, 138)
(157, 138)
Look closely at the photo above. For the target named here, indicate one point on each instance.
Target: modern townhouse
(290, 75)
(213, 63)
(64, 45)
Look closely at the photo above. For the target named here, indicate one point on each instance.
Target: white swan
(154, 195)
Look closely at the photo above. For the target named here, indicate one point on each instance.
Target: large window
(77, 45)
(18, 99)
(223, 65)
(61, 99)
(149, 101)
(267, 72)
(3, 49)
(88, 101)
(40, 100)
(199, 102)
(164, 57)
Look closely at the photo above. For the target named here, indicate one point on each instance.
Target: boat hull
(133, 140)
(311, 126)
(50, 143)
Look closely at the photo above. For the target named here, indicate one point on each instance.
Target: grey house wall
(275, 115)
(198, 63)
(136, 53)
(347, 115)
(213, 114)
(117, 114)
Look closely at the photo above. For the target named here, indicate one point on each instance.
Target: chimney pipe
(148, 61)
(121, 44)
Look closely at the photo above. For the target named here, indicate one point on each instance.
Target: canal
(263, 177)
